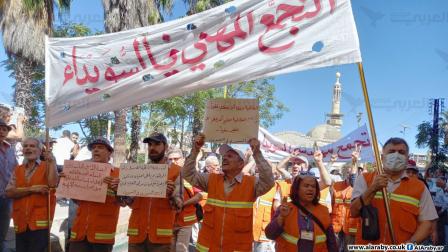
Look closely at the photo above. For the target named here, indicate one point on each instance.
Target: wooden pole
(225, 91)
(376, 149)
(47, 149)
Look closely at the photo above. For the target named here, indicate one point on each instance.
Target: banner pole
(47, 138)
(375, 148)
(47, 150)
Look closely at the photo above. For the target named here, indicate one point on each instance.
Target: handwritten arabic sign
(143, 180)
(238, 41)
(231, 120)
(84, 181)
(276, 149)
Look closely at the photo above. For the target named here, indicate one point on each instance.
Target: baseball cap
(223, 149)
(412, 165)
(301, 158)
(156, 137)
(102, 141)
(3, 123)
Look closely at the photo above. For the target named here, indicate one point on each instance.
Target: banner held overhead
(238, 41)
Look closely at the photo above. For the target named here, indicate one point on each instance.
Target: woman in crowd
(302, 225)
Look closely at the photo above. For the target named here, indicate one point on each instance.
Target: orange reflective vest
(285, 189)
(187, 216)
(32, 211)
(404, 209)
(287, 241)
(153, 218)
(340, 216)
(262, 214)
(324, 194)
(227, 224)
(97, 221)
(204, 199)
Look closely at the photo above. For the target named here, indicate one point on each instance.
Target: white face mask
(395, 162)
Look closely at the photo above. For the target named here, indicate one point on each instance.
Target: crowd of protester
(225, 200)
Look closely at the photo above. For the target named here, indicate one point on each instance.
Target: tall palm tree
(24, 24)
(122, 15)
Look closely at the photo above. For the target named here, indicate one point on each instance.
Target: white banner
(275, 149)
(238, 41)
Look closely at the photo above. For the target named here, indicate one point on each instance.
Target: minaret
(335, 117)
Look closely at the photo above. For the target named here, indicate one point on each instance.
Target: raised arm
(189, 170)
(266, 179)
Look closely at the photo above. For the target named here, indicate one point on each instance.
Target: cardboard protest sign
(231, 120)
(143, 180)
(84, 181)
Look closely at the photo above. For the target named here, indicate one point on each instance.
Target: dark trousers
(32, 241)
(5, 217)
(86, 246)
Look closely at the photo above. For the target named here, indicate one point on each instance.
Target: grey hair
(39, 143)
(211, 159)
(175, 151)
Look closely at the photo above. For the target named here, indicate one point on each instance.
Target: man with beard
(29, 187)
(151, 223)
(411, 207)
(186, 216)
(228, 217)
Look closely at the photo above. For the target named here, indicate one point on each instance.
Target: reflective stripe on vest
(400, 198)
(164, 232)
(229, 204)
(289, 238)
(132, 231)
(201, 248)
(41, 223)
(265, 203)
(320, 239)
(352, 230)
(339, 201)
(104, 236)
(110, 192)
(190, 218)
(348, 201)
(72, 235)
(187, 185)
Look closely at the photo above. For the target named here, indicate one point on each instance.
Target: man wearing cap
(29, 187)
(299, 164)
(7, 164)
(412, 170)
(228, 217)
(95, 223)
(151, 223)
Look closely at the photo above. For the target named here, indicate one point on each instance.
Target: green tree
(119, 16)
(425, 138)
(24, 24)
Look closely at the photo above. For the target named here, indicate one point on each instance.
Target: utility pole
(438, 105)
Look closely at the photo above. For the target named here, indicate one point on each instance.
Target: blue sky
(405, 56)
